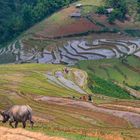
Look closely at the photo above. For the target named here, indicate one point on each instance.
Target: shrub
(101, 10)
(107, 88)
(111, 18)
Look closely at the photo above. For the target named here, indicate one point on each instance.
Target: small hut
(79, 5)
(109, 10)
(75, 15)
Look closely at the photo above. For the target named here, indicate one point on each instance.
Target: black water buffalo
(16, 114)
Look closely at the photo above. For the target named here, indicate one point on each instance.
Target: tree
(116, 3)
(39, 11)
(18, 15)
(111, 18)
(101, 10)
(27, 15)
(138, 6)
(120, 9)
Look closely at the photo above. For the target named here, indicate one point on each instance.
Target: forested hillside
(18, 15)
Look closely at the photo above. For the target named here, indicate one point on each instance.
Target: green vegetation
(59, 133)
(88, 9)
(32, 80)
(134, 9)
(17, 16)
(108, 88)
(90, 6)
(133, 32)
(101, 10)
(135, 87)
(25, 83)
(22, 84)
(117, 71)
(105, 72)
(120, 9)
(7, 58)
(91, 2)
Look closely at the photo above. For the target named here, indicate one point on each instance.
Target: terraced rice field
(115, 69)
(55, 112)
(40, 78)
(70, 52)
(56, 44)
(55, 95)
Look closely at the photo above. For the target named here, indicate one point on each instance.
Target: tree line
(18, 15)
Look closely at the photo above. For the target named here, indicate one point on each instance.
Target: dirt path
(133, 118)
(21, 134)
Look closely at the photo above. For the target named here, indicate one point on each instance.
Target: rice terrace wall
(72, 51)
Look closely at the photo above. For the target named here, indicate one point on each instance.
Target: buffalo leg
(10, 123)
(24, 124)
(31, 123)
(16, 124)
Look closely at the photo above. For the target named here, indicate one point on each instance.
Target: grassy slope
(29, 78)
(58, 20)
(91, 2)
(63, 15)
(114, 69)
(60, 23)
(21, 83)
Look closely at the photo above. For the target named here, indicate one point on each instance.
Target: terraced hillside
(44, 78)
(47, 89)
(73, 51)
(125, 72)
(62, 38)
(115, 69)
(100, 60)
